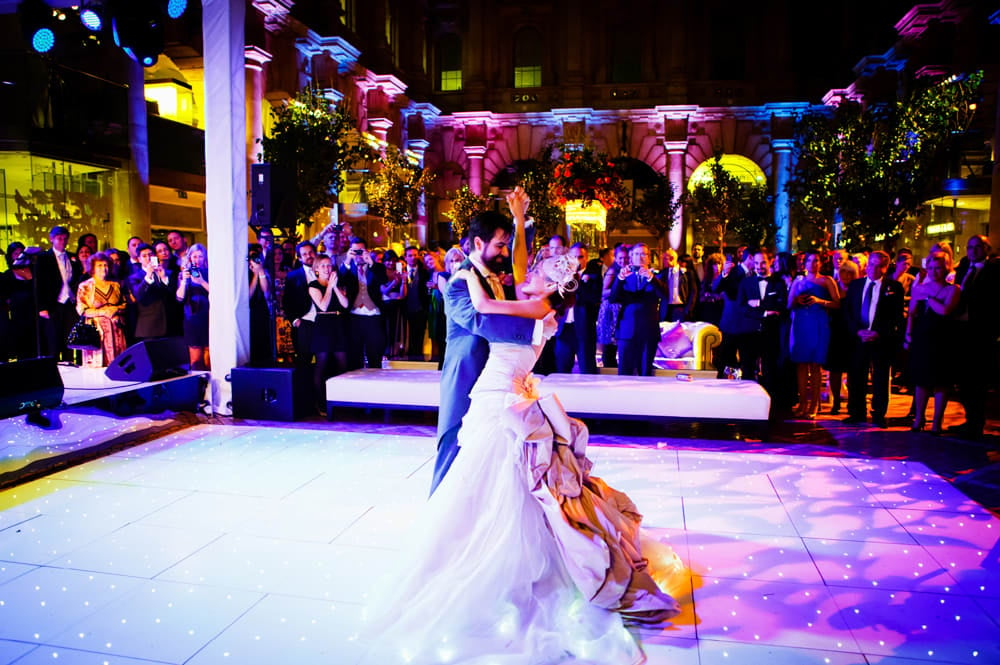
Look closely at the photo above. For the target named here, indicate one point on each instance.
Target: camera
(255, 257)
(195, 272)
(153, 261)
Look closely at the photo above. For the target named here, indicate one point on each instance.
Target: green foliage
(536, 179)
(318, 144)
(723, 201)
(656, 207)
(877, 164)
(465, 204)
(394, 190)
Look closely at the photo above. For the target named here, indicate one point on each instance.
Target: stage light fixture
(91, 18)
(37, 22)
(175, 8)
(137, 28)
(43, 40)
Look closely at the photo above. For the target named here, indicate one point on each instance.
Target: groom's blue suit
(469, 335)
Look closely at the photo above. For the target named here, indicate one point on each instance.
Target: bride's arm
(527, 309)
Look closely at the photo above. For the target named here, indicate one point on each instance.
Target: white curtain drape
(226, 186)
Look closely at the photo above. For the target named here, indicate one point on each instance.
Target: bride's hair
(561, 271)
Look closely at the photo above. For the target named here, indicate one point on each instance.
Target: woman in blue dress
(192, 291)
(809, 299)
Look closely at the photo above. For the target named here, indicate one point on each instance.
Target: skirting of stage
(96, 415)
(255, 545)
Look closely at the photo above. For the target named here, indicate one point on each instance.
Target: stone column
(419, 147)
(256, 58)
(475, 153)
(132, 215)
(676, 152)
(782, 171)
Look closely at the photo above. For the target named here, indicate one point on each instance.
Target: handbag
(83, 335)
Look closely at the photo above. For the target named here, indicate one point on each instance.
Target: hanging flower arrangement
(393, 190)
(465, 204)
(587, 176)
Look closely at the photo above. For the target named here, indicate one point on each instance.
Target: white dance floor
(226, 544)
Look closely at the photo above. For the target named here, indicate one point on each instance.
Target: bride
(520, 556)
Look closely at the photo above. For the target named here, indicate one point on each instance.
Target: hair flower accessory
(560, 270)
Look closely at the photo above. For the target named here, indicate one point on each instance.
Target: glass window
(527, 58)
(449, 57)
(626, 56)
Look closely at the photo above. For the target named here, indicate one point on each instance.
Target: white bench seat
(594, 395)
(656, 397)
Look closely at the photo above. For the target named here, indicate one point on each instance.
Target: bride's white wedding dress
(520, 556)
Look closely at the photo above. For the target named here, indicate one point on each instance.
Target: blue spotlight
(43, 40)
(176, 7)
(91, 19)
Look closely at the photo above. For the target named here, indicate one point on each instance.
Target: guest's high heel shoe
(917, 427)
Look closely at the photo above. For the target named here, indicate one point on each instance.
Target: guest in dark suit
(59, 274)
(681, 291)
(639, 291)
(576, 337)
(733, 324)
(875, 322)
(298, 306)
(978, 275)
(152, 293)
(362, 280)
(764, 300)
(175, 311)
(416, 302)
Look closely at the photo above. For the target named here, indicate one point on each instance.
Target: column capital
(782, 145)
(675, 146)
(338, 49)
(276, 13)
(475, 151)
(256, 57)
(331, 95)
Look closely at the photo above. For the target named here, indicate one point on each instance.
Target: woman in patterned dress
(100, 300)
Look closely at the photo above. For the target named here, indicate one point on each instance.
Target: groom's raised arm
(492, 327)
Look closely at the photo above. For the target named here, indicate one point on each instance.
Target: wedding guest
(393, 294)
(58, 275)
(90, 241)
(609, 312)
(437, 323)
(262, 350)
(810, 300)
(710, 298)
(838, 357)
(639, 291)
(298, 306)
(178, 245)
(192, 290)
(930, 332)
(979, 328)
(362, 280)
(875, 321)
(19, 311)
(175, 311)
(329, 342)
(84, 254)
(453, 260)
(150, 288)
(100, 300)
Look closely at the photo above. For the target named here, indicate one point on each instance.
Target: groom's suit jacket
(469, 335)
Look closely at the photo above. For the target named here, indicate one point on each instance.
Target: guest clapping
(930, 330)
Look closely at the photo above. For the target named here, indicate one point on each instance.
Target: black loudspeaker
(271, 393)
(27, 386)
(151, 360)
(272, 196)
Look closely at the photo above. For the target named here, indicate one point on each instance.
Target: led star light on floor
(256, 545)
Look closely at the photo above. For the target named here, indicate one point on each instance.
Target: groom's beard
(496, 264)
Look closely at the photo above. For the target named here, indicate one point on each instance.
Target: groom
(469, 332)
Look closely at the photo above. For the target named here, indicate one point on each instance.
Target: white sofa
(702, 336)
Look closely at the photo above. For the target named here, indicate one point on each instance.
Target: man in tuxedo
(978, 275)
(875, 323)
(470, 333)
(763, 299)
(151, 289)
(576, 337)
(59, 274)
(416, 302)
(362, 280)
(298, 306)
(680, 298)
(639, 291)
